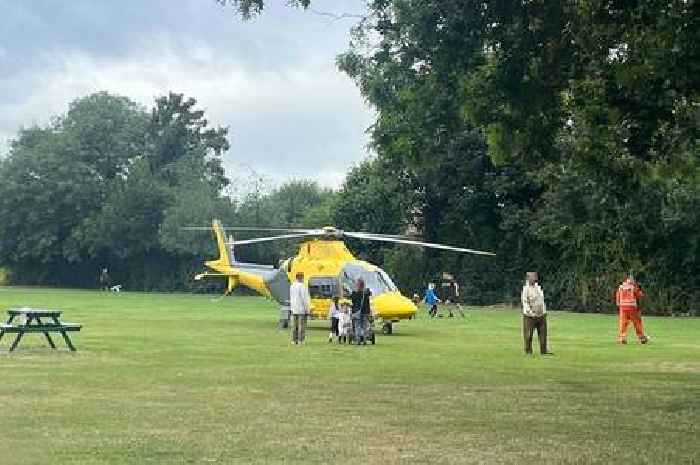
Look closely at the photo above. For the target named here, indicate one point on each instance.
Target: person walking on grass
(626, 298)
(451, 291)
(361, 311)
(300, 303)
(534, 314)
(431, 299)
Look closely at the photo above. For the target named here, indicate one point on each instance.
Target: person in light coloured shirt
(534, 314)
(300, 303)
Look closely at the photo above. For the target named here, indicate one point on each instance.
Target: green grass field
(177, 379)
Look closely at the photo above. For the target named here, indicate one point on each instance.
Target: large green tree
(106, 132)
(589, 110)
(177, 130)
(54, 177)
(105, 185)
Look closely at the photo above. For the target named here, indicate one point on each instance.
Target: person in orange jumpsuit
(626, 298)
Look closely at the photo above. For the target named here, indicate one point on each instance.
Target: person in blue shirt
(431, 299)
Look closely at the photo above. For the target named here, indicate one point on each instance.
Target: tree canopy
(587, 113)
(96, 186)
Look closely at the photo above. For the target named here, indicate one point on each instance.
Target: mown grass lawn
(178, 379)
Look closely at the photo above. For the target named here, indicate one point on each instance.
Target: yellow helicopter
(328, 266)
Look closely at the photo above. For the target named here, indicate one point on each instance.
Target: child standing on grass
(344, 323)
(334, 316)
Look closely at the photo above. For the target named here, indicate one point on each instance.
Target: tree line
(560, 135)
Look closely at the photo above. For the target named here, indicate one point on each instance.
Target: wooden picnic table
(33, 324)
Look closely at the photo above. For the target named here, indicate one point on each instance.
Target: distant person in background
(105, 282)
(300, 303)
(334, 316)
(361, 311)
(431, 300)
(451, 292)
(285, 311)
(534, 313)
(626, 298)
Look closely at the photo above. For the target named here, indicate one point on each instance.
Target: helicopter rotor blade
(245, 228)
(319, 232)
(429, 245)
(392, 236)
(252, 228)
(267, 239)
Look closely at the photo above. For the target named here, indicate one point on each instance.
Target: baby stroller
(369, 331)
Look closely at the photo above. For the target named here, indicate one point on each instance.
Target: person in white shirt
(534, 313)
(300, 303)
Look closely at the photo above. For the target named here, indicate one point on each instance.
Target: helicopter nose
(393, 305)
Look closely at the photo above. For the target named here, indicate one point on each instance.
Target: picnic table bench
(34, 324)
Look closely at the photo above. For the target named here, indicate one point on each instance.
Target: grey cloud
(109, 28)
(272, 81)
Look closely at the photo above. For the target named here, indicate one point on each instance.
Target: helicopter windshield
(377, 281)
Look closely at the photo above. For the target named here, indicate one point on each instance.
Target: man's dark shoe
(643, 339)
(547, 353)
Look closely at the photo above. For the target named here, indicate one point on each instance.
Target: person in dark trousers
(431, 299)
(451, 291)
(534, 314)
(361, 311)
(334, 315)
(285, 312)
(105, 282)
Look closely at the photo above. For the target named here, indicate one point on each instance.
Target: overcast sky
(272, 81)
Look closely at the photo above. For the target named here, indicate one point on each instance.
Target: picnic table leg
(48, 337)
(65, 336)
(8, 322)
(16, 341)
(20, 334)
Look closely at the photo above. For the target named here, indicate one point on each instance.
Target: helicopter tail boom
(251, 275)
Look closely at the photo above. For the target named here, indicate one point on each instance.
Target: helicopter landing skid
(387, 327)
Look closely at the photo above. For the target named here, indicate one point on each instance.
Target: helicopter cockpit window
(377, 281)
(386, 280)
(323, 287)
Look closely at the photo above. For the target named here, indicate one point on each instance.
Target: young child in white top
(344, 323)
